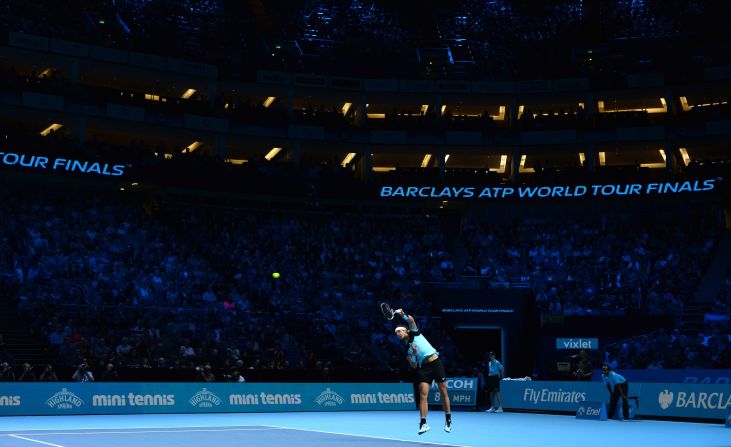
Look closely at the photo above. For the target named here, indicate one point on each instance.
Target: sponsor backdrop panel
(116, 398)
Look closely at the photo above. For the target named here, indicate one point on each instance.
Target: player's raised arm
(408, 318)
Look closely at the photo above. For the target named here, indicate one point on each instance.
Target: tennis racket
(387, 311)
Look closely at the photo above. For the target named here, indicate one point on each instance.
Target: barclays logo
(665, 399)
(329, 398)
(64, 400)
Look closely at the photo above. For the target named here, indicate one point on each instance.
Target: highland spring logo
(329, 398)
(205, 399)
(64, 400)
(665, 399)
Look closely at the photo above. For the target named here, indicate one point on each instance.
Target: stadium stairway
(692, 320)
(718, 268)
(22, 344)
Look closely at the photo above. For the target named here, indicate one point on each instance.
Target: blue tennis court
(365, 429)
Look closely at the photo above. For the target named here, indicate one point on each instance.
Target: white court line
(33, 440)
(129, 432)
(366, 436)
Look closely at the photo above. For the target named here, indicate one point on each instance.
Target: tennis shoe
(448, 426)
(491, 410)
(499, 410)
(423, 428)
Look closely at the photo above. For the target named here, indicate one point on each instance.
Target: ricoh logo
(695, 400)
(264, 399)
(205, 399)
(382, 398)
(64, 400)
(558, 396)
(458, 384)
(132, 400)
(10, 401)
(329, 398)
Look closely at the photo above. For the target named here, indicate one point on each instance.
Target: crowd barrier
(682, 400)
(133, 398)
(27, 398)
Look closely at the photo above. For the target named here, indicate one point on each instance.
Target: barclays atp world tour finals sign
(553, 191)
(59, 164)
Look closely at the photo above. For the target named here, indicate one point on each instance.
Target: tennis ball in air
(275, 275)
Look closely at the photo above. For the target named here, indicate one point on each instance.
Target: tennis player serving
(425, 359)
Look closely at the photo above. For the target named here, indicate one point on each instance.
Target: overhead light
(522, 168)
(268, 102)
(602, 158)
(384, 168)
(501, 114)
(424, 108)
(193, 146)
(444, 109)
(47, 72)
(272, 153)
(237, 161)
(188, 93)
(446, 158)
(582, 158)
(662, 154)
(135, 184)
(52, 128)
(684, 104)
(346, 108)
(379, 116)
(663, 109)
(425, 161)
(503, 163)
(684, 154)
(520, 111)
(348, 158)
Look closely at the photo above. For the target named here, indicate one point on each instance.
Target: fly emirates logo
(553, 396)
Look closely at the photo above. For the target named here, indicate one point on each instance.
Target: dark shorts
(493, 383)
(432, 371)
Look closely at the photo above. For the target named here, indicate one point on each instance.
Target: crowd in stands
(660, 350)
(496, 39)
(585, 268)
(113, 285)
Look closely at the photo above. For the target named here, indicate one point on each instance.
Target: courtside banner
(462, 391)
(551, 396)
(133, 398)
(684, 400)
